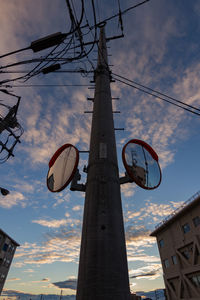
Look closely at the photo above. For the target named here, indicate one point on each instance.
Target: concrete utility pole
(103, 270)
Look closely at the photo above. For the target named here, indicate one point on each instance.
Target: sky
(161, 51)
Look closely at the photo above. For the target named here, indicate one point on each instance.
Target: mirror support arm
(125, 179)
(75, 186)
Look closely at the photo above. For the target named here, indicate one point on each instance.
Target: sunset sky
(160, 50)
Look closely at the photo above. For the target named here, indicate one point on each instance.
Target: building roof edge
(192, 201)
(17, 244)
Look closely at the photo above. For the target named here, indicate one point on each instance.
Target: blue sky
(160, 50)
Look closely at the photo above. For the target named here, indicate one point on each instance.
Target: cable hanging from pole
(74, 30)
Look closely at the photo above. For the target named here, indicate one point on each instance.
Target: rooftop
(4, 233)
(177, 212)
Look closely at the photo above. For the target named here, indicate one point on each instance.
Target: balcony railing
(176, 211)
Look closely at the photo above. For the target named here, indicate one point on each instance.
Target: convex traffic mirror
(141, 164)
(62, 167)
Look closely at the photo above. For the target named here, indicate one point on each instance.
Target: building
(178, 239)
(7, 250)
(135, 297)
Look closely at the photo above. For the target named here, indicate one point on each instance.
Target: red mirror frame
(153, 154)
(53, 159)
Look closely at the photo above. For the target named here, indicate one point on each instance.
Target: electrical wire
(57, 71)
(29, 74)
(98, 11)
(75, 29)
(122, 12)
(120, 17)
(157, 92)
(35, 70)
(55, 59)
(47, 85)
(159, 97)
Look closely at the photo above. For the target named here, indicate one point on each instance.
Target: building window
(7, 263)
(196, 280)
(186, 254)
(186, 228)
(173, 286)
(2, 277)
(4, 261)
(196, 221)
(5, 247)
(166, 263)
(161, 243)
(174, 259)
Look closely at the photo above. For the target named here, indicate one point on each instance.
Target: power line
(57, 71)
(44, 85)
(75, 31)
(155, 91)
(159, 97)
(122, 12)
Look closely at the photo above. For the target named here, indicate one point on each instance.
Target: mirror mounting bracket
(75, 186)
(125, 179)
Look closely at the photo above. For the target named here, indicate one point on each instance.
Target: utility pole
(103, 270)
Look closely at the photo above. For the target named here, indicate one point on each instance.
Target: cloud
(29, 271)
(138, 226)
(128, 189)
(138, 238)
(18, 30)
(61, 245)
(152, 271)
(147, 118)
(143, 258)
(13, 199)
(42, 281)
(49, 123)
(13, 279)
(151, 210)
(14, 294)
(50, 223)
(24, 186)
(45, 279)
(150, 274)
(77, 208)
(67, 284)
(61, 198)
(42, 132)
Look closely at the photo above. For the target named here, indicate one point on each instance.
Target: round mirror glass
(62, 167)
(141, 164)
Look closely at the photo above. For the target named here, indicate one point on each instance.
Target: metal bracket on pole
(75, 186)
(125, 179)
(90, 99)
